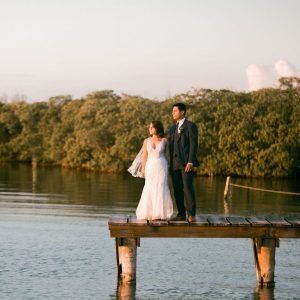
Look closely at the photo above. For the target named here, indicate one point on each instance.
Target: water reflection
(227, 206)
(34, 176)
(264, 293)
(118, 194)
(125, 290)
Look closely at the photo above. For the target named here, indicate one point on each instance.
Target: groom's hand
(188, 167)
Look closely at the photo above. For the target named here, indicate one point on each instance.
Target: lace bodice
(157, 151)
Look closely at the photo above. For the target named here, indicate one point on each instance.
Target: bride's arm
(145, 157)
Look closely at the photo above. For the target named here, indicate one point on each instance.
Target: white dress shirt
(180, 122)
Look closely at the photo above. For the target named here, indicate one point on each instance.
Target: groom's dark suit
(183, 148)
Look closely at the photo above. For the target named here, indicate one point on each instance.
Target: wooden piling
(227, 190)
(264, 254)
(126, 259)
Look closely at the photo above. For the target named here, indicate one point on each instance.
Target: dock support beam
(126, 250)
(264, 255)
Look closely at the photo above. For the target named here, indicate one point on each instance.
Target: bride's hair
(159, 128)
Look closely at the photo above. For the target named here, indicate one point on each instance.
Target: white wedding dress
(156, 201)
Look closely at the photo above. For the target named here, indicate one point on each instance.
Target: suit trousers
(184, 192)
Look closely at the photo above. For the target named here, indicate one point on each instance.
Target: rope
(264, 190)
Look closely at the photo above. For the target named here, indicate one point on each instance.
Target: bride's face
(152, 130)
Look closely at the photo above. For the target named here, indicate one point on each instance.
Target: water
(55, 241)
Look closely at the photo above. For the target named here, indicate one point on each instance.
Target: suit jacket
(187, 142)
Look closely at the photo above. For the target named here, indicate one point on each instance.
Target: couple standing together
(156, 202)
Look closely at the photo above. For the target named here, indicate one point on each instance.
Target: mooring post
(226, 190)
(126, 258)
(264, 255)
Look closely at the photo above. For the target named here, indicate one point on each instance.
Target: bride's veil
(136, 167)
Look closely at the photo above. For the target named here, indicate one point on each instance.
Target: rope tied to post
(228, 184)
(265, 190)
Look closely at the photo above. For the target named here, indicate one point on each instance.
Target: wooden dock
(265, 233)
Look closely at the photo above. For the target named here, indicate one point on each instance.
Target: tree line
(252, 134)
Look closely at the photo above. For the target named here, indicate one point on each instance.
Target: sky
(150, 48)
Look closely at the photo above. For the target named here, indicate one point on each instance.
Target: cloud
(256, 77)
(284, 69)
(259, 77)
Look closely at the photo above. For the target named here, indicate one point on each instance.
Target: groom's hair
(159, 127)
(181, 106)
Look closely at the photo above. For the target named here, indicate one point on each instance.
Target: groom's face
(177, 114)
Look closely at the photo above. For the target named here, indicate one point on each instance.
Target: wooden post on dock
(264, 254)
(126, 258)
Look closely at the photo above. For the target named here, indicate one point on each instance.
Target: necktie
(177, 127)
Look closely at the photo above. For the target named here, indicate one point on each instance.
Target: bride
(156, 201)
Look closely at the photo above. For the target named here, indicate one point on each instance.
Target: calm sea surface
(55, 244)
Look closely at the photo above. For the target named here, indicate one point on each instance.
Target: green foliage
(243, 134)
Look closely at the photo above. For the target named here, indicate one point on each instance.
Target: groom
(183, 146)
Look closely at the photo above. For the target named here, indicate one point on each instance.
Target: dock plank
(278, 221)
(258, 221)
(238, 221)
(158, 223)
(295, 221)
(218, 221)
(178, 223)
(133, 220)
(200, 221)
(118, 219)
